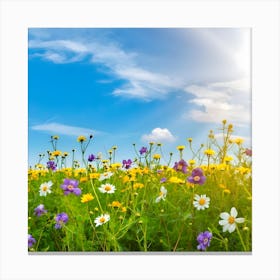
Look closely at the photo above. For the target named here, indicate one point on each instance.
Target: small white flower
(45, 188)
(201, 202)
(105, 175)
(229, 220)
(100, 220)
(162, 194)
(107, 188)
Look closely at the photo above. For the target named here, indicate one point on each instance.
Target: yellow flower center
(202, 201)
(107, 188)
(45, 188)
(102, 220)
(231, 220)
(70, 187)
(196, 178)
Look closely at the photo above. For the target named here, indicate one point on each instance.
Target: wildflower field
(151, 202)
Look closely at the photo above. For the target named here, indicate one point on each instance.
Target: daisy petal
(233, 212)
(224, 215)
(239, 220)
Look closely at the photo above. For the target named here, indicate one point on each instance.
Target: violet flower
(91, 157)
(31, 240)
(197, 177)
(71, 186)
(51, 165)
(204, 239)
(143, 150)
(61, 219)
(181, 166)
(127, 163)
(40, 210)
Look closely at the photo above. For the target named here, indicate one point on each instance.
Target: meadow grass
(141, 204)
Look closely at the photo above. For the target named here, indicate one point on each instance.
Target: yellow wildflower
(226, 191)
(83, 179)
(94, 175)
(55, 137)
(116, 165)
(190, 140)
(56, 153)
(228, 159)
(209, 152)
(81, 138)
(138, 186)
(116, 204)
(180, 148)
(87, 197)
(238, 141)
(175, 180)
(156, 156)
(192, 162)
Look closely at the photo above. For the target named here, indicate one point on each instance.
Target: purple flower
(181, 166)
(204, 239)
(40, 210)
(91, 157)
(60, 219)
(31, 240)
(143, 150)
(127, 163)
(248, 152)
(71, 186)
(197, 177)
(51, 165)
(163, 180)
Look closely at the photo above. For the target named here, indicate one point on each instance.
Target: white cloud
(159, 135)
(62, 129)
(218, 101)
(247, 140)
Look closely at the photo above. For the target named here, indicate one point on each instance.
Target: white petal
(231, 228)
(224, 215)
(240, 220)
(225, 227)
(197, 197)
(223, 222)
(233, 212)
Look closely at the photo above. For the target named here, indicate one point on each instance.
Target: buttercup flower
(31, 240)
(162, 194)
(156, 156)
(209, 152)
(180, 148)
(45, 188)
(143, 150)
(204, 239)
(100, 220)
(181, 166)
(61, 219)
(201, 202)
(81, 139)
(40, 210)
(71, 186)
(229, 221)
(197, 177)
(107, 188)
(86, 198)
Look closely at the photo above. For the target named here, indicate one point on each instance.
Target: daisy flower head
(105, 175)
(201, 202)
(102, 219)
(71, 186)
(45, 188)
(107, 188)
(204, 239)
(197, 177)
(162, 194)
(229, 220)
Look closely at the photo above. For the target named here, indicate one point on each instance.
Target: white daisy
(162, 194)
(105, 175)
(201, 202)
(229, 220)
(100, 220)
(45, 188)
(107, 188)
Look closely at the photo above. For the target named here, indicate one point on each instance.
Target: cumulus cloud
(217, 101)
(159, 135)
(62, 129)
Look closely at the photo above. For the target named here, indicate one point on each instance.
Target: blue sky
(136, 85)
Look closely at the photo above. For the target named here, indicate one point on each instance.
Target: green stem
(241, 239)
